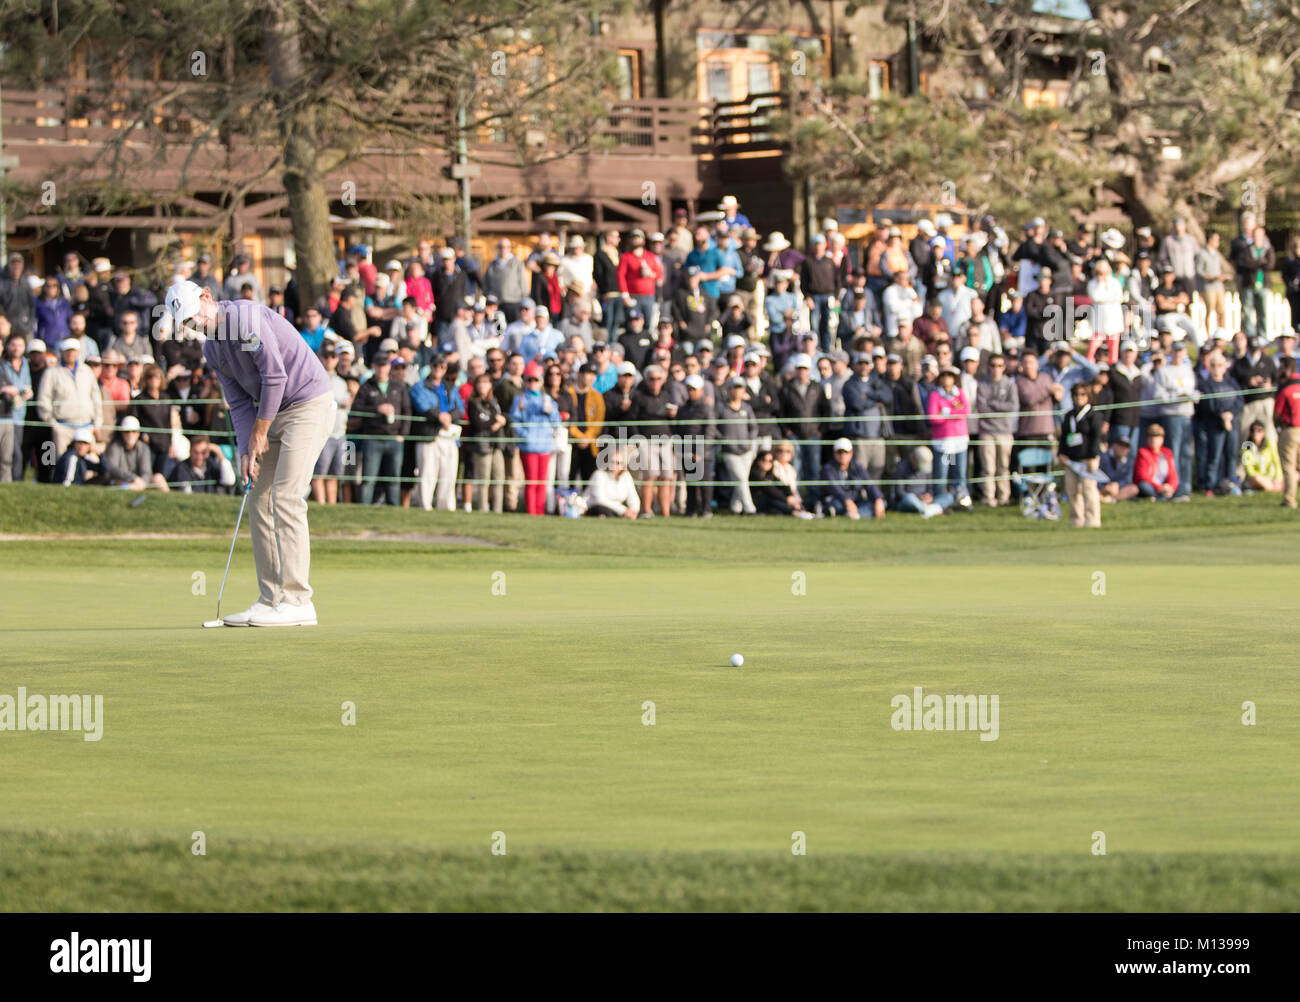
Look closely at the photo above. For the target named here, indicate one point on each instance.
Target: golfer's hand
(880, 507)
(629, 513)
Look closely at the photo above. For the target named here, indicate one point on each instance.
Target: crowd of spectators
(706, 368)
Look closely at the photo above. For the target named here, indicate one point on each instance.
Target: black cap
(587, 367)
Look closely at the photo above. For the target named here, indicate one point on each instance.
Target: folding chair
(1039, 498)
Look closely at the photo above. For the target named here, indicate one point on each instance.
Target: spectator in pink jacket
(948, 409)
(417, 287)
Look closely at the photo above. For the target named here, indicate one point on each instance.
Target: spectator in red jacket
(1286, 417)
(1155, 472)
(639, 275)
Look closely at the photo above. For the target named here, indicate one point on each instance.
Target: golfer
(283, 411)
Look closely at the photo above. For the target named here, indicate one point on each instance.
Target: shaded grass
(52, 872)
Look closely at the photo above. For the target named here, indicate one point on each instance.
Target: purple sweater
(263, 363)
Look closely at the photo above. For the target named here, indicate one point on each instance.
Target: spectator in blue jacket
(437, 455)
(915, 489)
(868, 397)
(52, 312)
(845, 491)
(1216, 423)
(1117, 464)
(533, 416)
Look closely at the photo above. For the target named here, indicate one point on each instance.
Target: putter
(214, 623)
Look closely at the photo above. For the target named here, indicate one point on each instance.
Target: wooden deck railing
(84, 113)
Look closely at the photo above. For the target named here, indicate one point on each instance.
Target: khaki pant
(487, 470)
(9, 434)
(1288, 447)
(1261, 411)
(1216, 307)
(1085, 500)
(514, 479)
(281, 544)
(62, 435)
(437, 461)
(995, 466)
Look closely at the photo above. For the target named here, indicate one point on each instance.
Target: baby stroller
(1039, 497)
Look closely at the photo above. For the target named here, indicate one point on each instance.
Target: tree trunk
(309, 205)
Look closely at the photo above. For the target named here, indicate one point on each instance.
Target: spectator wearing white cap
(126, 452)
(78, 464)
(69, 398)
(846, 489)
(800, 404)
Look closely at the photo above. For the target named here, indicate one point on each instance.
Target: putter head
(213, 624)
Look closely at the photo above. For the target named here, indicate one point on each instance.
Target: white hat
(393, 263)
(446, 253)
(34, 282)
(842, 445)
(776, 241)
(130, 423)
(388, 344)
(694, 382)
(101, 264)
(69, 344)
(36, 345)
(970, 354)
(735, 341)
(802, 361)
(183, 300)
(830, 224)
(943, 220)
(1112, 238)
(84, 435)
(627, 369)
(926, 226)
(728, 202)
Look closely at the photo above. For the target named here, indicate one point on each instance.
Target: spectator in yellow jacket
(1261, 468)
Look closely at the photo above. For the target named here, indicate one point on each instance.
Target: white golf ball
(737, 660)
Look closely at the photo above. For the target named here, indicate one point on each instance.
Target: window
(877, 79)
(719, 81)
(629, 74)
(761, 78)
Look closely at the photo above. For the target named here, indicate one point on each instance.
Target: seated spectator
(78, 465)
(1117, 464)
(206, 471)
(846, 491)
(611, 493)
(1155, 473)
(915, 489)
(772, 493)
(1260, 465)
(128, 453)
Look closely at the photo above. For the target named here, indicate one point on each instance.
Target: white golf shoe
(242, 618)
(285, 614)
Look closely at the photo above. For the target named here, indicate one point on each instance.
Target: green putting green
(501, 671)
